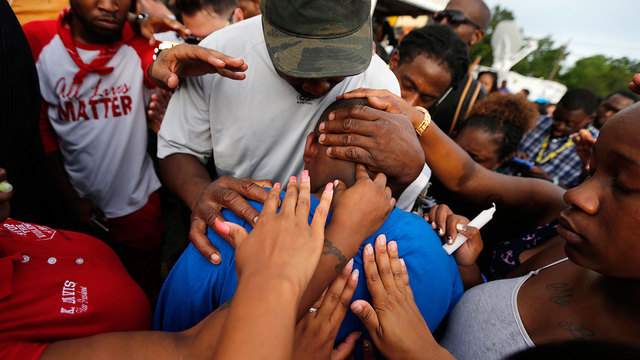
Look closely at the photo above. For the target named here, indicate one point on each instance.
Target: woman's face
(602, 225)
(481, 145)
(487, 81)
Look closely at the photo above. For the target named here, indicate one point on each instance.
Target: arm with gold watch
(423, 125)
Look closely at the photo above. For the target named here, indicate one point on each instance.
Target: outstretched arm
(532, 201)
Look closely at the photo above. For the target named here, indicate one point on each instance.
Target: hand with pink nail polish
(282, 245)
(394, 322)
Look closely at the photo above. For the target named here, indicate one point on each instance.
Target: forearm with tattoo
(330, 249)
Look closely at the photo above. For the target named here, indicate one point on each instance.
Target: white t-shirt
(101, 131)
(255, 127)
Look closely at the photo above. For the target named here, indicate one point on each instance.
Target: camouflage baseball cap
(318, 38)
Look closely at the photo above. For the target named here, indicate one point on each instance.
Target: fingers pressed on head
(350, 153)
(361, 172)
(380, 179)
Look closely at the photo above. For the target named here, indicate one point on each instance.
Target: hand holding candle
(478, 222)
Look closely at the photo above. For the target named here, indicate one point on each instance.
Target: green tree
(483, 48)
(540, 63)
(600, 74)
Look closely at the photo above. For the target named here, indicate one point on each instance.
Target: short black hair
(438, 42)
(221, 7)
(339, 104)
(627, 94)
(580, 99)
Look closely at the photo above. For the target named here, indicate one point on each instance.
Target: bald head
(478, 12)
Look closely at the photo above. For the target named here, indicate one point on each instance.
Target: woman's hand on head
(283, 245)
(394, 322)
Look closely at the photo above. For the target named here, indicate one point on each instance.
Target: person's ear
(311, 148)
(395, 60)
(237, 15)
(477, 36)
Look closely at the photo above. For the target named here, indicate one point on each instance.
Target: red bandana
(98, 64)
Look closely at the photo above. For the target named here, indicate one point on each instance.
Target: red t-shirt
(57, 285)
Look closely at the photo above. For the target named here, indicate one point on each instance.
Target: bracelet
(484, 278)
(425, 122)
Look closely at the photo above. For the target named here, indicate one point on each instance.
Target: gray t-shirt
(255, 127)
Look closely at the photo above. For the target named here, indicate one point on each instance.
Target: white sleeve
(186, 126)
(408, 197)
(379, 76)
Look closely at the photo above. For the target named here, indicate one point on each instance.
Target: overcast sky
(608, 27)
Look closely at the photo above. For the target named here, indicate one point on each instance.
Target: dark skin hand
(384, 142)
(459, 173)
(186, 60)
(185, 175)
(448, 225)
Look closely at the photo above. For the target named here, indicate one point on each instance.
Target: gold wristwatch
(426, 121)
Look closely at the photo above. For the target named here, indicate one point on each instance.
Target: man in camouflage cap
(293, 61)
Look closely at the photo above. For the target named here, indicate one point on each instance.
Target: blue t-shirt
(195, 287)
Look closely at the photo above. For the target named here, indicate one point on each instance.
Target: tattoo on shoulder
(330, 249)
(561, 293)
(576, 330)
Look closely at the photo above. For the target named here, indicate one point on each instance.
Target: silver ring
(312, 310)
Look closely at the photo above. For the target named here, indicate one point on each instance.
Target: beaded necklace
(545, 144)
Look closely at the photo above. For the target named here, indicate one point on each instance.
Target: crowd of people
(321, 184)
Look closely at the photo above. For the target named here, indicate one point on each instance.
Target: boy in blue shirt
(195, 287)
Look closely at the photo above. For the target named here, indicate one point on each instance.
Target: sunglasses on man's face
(455, 18)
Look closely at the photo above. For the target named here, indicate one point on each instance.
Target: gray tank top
(486, 323)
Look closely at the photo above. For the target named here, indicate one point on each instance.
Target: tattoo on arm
(576, 330)
(330, 249)
(561, 293)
